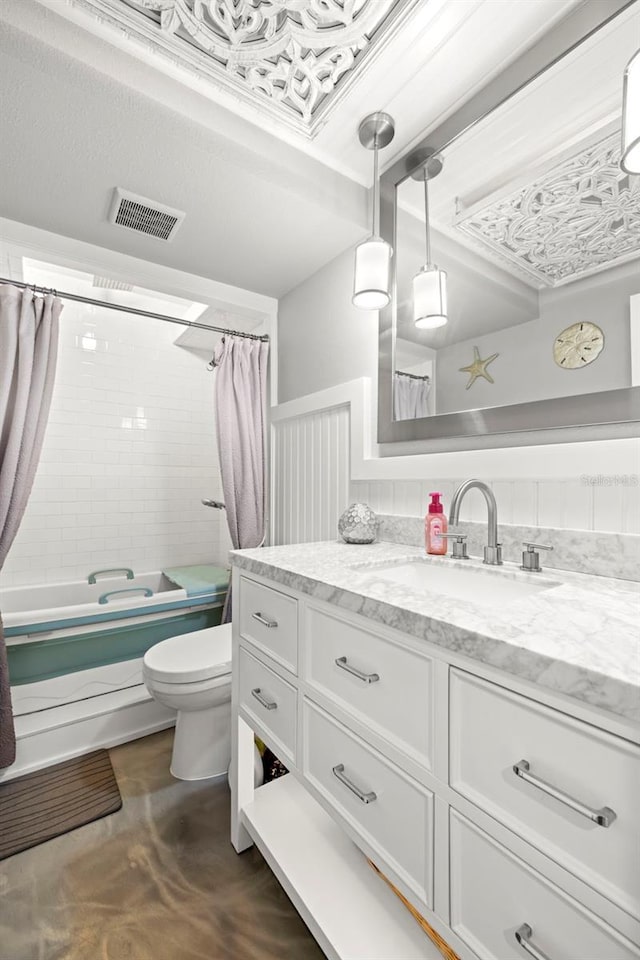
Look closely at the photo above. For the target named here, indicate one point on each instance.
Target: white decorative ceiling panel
(579, 217)
(293, 58)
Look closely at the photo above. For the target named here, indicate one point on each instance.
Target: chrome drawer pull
(264, 620)
(603, 817)
(365, 677)
(523, 936)
(267, 704)
(338, 771)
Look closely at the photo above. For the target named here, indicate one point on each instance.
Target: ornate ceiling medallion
(579, 217)
(288, 56)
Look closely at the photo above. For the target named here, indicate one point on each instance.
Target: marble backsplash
(583, 551)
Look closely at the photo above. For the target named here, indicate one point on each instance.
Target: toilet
(191, 673)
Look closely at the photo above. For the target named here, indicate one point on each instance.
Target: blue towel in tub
(199, 579)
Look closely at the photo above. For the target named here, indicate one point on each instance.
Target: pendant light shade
(630, 160)
(372, 271)
(430, 298)
(372, 275)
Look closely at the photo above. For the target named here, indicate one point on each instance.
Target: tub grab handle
(96, 573)
(146, 592)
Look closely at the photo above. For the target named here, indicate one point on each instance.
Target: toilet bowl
(191, 674)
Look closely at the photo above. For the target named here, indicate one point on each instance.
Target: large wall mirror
(538, 231)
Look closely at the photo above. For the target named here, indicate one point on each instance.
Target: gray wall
(316, 319)
(322, 339)
(481, 296)
(525, 369)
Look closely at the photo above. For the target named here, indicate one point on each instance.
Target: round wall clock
(578, 345)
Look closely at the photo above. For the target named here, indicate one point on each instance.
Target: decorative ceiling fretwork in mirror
(581, 216)
(290, 57)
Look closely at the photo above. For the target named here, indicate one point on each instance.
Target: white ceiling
(84, 110)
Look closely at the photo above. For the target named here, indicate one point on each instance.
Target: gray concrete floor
(159, 880)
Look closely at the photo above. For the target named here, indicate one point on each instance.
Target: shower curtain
(241, 389)
(410, 397)
(28, 351)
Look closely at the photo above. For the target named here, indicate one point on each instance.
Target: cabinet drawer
(391, 812)
(493, 894)
(271, 701)
(388, 687)
(574, 768)
(269, 619)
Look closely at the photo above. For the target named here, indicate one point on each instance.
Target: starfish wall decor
(478, 368)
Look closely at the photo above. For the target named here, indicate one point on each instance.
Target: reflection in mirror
(538, 230)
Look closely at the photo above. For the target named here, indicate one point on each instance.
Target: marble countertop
(579, 636)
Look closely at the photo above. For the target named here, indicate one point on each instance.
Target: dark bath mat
(50, 802)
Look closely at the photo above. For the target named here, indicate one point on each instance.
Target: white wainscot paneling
(310, 475)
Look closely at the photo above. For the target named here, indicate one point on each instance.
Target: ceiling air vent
(144, 215)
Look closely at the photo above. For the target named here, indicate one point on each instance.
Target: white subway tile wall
(610, 504)
(129, 453)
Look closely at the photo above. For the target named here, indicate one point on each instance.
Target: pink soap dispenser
(435, 524)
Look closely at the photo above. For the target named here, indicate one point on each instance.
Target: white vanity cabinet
(506, 816)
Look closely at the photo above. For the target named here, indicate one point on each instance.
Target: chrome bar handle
(365, 677)
(338, 771)
(603, 817)
(531, 557)
(459, 545)
(265, 621)
(267, 704)
(523, 936)
(91, 579)
(145, 591)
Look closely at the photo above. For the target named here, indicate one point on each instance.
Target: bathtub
(60, 628)
(75, 658)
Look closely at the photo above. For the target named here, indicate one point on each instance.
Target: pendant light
(372, 274)
(630, 160)
(429, 283)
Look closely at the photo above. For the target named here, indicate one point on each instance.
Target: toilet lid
(200, 655)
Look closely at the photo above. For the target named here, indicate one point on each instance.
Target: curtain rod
(412, 376)
(140, 313)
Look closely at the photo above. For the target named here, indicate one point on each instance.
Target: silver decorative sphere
(358, 524)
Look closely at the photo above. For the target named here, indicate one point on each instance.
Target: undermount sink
(484, 587)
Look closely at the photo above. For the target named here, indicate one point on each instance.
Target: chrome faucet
(493, 549)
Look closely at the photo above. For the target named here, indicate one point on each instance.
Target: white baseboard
(73, 729)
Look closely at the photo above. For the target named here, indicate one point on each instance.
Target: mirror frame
(602, 408)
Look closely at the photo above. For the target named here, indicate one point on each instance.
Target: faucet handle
(459, 545)
(531, 557)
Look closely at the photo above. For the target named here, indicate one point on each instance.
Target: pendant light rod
(376, 192)
(376, 132)
(430, 167)
(426, 221)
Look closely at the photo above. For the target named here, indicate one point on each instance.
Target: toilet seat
(190, 657)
